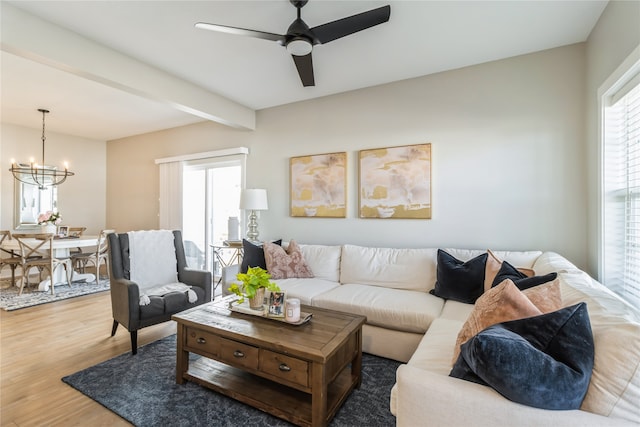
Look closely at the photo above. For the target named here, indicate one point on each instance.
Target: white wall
(507, 145)
(614, 37)
(505, 136)
(81, 199)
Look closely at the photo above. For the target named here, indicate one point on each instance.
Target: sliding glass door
(210, 196)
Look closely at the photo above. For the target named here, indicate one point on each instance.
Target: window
(621, 191)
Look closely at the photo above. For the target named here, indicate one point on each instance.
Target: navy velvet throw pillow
(544, 361)
(521, 280)
(458, 280)
(253, 255)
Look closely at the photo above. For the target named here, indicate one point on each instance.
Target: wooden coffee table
(302, 374)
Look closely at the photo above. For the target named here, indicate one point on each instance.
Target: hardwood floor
(40, 345)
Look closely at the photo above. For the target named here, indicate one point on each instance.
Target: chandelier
(41, 175)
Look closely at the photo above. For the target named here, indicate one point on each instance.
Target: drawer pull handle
(238, 353)
(284, 368)
(201, 340)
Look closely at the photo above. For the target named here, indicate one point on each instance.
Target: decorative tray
(245, 309)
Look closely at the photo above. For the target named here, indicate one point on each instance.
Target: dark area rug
(142, 390)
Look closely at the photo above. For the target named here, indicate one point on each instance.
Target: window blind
(621, 213)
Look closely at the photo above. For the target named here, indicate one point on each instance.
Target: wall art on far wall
(395, 182)
(319, 185)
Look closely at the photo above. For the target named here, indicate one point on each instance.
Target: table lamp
(253, 199)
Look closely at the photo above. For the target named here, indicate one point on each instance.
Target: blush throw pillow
(494, 263)
(287, 264)
(458, 280)
(499, 304)
(521, 280)
(253, 255)
(544, 361)
(547, 297)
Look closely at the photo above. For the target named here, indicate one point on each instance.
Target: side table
(225, 254)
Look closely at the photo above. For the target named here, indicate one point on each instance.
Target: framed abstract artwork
(395, 182)
(319, 185)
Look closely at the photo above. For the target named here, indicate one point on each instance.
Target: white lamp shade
(254, 199)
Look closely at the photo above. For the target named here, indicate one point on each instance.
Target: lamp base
(252, 227)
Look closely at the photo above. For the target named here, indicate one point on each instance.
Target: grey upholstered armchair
(135, 306)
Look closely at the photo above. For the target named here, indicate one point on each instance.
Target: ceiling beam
(30, 37)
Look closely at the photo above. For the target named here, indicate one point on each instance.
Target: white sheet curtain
(171, 195)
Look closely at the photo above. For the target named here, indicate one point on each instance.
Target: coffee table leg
(182, 357)
(318, 395)
(356, 365)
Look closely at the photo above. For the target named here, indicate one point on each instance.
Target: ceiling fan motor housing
(299, 38)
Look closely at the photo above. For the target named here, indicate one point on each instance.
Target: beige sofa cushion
(550, 262)
(409, 269)
(523, 259)
(397, 309)
(435, 350)
(306, 289)
(456, 310)
(323, 260)
(615, 383)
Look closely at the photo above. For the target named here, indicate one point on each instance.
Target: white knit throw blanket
(153, 265)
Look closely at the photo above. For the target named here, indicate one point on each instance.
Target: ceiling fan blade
(351, 24)
(304, 64)
(241, 32)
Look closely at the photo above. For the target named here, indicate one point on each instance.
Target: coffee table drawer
(202, 341)
(238, 354)
(285, 367)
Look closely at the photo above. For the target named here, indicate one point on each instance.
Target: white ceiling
(421, 37)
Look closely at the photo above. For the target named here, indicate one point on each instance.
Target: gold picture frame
(318, 185)
(395, 182)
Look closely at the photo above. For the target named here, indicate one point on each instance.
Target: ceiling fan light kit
(300, 39)
(299, 47)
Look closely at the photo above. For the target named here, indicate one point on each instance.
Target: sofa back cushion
(411, 269)
(519, 259)
(323, 260)
(552, 262)
(614, 390)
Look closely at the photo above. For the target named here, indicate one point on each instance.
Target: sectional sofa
(405, 322)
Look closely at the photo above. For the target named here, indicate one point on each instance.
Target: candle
(293, 310)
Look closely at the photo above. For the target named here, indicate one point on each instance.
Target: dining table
(62, 247)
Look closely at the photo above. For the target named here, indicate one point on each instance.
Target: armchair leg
(134, 342)
(114, 327)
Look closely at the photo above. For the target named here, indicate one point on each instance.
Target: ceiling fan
(300, 39)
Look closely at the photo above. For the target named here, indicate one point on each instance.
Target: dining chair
(9, 257)
(37, 251)
(76, 232)
(101, 253)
